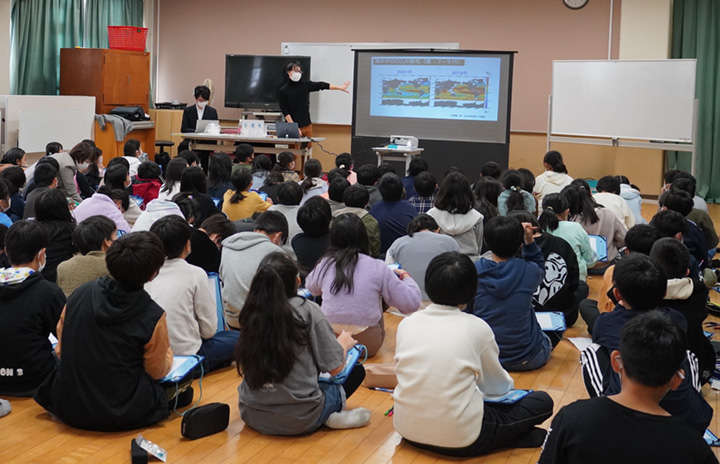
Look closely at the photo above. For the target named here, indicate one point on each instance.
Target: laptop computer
(202, 124)
(287, 130)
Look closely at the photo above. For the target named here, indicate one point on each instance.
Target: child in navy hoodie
(505, 291)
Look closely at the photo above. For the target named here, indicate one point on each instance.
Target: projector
(404, 141)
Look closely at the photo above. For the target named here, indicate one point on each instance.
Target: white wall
(645, 29)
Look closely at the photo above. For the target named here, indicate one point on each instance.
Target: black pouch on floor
(138, 455)
(205, 420)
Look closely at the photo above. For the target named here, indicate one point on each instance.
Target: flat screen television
(253, 81)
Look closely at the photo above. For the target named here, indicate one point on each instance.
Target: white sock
(348, 419)
(4, 407)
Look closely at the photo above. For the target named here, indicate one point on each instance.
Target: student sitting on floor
(45, 177)
(608, 188)
(561, 288)
(286, 344)
(244, 157)
(241, 255)
(694, 239)
(182, 290)
(368, 176)
(632, 426)
(336, 188)
(352, 284)
(417, 165)
(674, 225)
(639, 287)
(447, 363)
(455, 213)
(30, 308)
(92, 238)
(289, 198)
(639, 239)
(422, 243)
(506, 285)
(356, 199)
(314, 219)
(392, 213)
(241, 203)
(698, 216)
(113, 345)
(313, 184)
(424, 198)
(688, 297)
(514, 197)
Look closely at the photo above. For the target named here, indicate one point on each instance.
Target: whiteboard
(647, 100)
(68, 127)
(335, 63)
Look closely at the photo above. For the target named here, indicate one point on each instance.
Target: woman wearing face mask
(71, 163)
(294, 97)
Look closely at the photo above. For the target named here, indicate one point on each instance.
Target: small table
(396, 154)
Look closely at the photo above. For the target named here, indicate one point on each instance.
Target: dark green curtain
(99, 14)
(696, 34)
(39, 29)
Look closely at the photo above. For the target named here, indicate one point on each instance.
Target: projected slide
(435, 88)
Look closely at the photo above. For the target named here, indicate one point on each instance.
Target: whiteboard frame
(628, 142)
(288, 48)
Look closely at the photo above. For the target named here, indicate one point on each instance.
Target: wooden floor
(30, 435)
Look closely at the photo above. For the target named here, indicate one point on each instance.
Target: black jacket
(101, 383)
(29, 311)
(190, 117)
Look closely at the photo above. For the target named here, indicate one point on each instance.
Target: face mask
(143, 157)
(44, 261)
(295, 76)
(8, 206)
(83, 166)
(202, 105)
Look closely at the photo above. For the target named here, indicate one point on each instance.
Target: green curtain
(99, 14)
(696, 34)
(39, 29)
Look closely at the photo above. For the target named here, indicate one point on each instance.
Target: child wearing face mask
(30, 308)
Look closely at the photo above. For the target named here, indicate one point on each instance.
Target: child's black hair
(193, 180)
(15, 177)
(135, 258)
(173, 173)
(356, 196)
(219, 224)
(149, 170)
(390, 187)
(348, 238)
(52, 148)
(289, 193)
(337, 188)
(91, 234)
(219, 170)
(684, 184)
(188, 205)
(131, 147)
(174, 232)
(421, 222)
(385, 168)
(581, 202)
(513, 182)
(261, 163)
(283, 161)
(189, 156)
(417, 165)
(677, 200)
(641, 283)
(367, 175)
(271, 222)
(504, 236)
(455, 195)
(115, 176)
(13, 156)
(555, 160)
(425, 184)
(528, 179)
(314, 217)
(344, 161)
(312, 169)
(23, 240)
(487, 190)
(652, 349)
(552, 205)
(610, 184)
(451, 279)
(51, 205)
(491, 169)
(672, 256)
(640, 238)
(669, 223)
(243, 152)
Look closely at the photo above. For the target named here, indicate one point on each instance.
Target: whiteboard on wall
(68, 127)
(647, 100)
(334, 63)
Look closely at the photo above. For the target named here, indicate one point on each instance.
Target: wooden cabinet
(167, 122)
(113, 77)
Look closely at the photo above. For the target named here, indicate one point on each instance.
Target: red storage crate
(127, 38)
